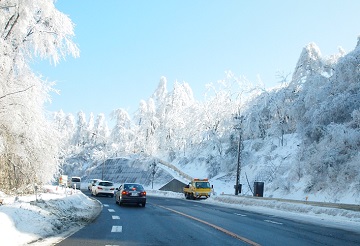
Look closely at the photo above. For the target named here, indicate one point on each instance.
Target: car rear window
(133, 187)
(106, 184)
(75, 180)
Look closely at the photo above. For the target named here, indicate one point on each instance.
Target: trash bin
(259, 189)
(238, 188)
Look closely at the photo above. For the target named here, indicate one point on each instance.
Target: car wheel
(143, 204)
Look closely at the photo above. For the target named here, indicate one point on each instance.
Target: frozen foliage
(29, 143)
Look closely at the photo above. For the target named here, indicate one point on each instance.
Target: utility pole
(103, 168)
(238, 169)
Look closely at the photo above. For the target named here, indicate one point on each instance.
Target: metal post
(153, 174)
(103, 166)
(238, 169)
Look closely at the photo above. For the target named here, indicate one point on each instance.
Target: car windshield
(75, 179)
(133, 187)
(106, 184)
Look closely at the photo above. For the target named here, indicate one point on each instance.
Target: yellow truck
(198, 188)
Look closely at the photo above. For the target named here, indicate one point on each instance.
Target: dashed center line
(106, 205)
(111, 210)
(114, 217)
(116, 229)
(273, 222)
(243, 215)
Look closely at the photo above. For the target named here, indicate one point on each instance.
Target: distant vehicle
(131, 193)
(103, 188)
(63, 180)
(92, 182)
(197, 188)
(74, 182)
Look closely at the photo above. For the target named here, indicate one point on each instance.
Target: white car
(92, 182)
(103, 188)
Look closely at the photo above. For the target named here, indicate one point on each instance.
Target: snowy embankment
(49, 216)
(57, 214)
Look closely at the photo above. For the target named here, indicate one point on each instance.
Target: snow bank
(54, 213)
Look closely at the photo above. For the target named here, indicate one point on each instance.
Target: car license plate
(134, 194)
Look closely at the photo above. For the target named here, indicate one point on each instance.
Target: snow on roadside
(26, 220)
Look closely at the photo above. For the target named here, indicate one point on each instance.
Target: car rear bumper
(133, 200)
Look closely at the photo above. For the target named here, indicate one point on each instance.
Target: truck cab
(198, 188)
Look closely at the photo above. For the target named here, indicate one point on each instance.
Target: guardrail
(353, 207)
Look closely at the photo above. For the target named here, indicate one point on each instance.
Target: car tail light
(124, 192)
(99, 188)
(112, 188)
(143, 193)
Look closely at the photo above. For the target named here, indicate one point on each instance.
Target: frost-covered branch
(16, 92)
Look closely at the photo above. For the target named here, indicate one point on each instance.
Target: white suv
(103, 188)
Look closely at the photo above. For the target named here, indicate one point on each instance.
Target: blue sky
(126, 46)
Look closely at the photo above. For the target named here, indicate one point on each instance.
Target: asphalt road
(169, 221)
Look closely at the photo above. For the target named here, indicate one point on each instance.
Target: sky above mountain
(126, 46)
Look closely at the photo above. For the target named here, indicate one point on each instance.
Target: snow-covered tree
(101, 130)
(122, 135)
(29, 29)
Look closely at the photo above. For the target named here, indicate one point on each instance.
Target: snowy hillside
(302, 139)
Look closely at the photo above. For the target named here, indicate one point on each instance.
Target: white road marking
(106, 205)
(111, 210)
(116, 229)
(243, 215)
(114, 217)
(273, 222)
